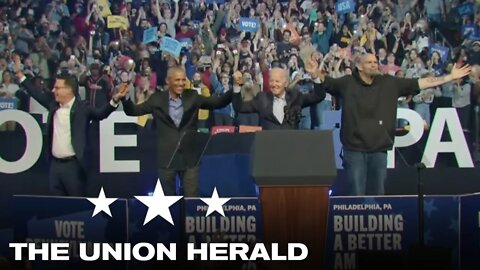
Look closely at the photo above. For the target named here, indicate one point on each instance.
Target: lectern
(294, 169)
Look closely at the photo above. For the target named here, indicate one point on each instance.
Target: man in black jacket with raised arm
(369, 118)
(278, 109)
(175, 113)
(67, 130)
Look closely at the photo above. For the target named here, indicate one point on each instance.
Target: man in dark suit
(67, 130)
(278, 109)
(175, 113)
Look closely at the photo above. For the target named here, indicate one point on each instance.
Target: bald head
(278, 81)
(367, 65)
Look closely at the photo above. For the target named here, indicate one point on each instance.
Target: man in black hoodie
(369, 116)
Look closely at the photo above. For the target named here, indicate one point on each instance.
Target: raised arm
(314, 97)
(215, 102)
(139, 109)
(104, 111)
(44, 99)
(456, 73)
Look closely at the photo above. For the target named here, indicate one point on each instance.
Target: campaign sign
(40, 219)
(345, 6)
(443, 51)
(214, 1)
(171, 46)
(8, 103)
(150, 35)
(468, 30)
(465, 9)
(242, 222)
(248, 24)
(385, 224)
(470, 231)
(186, 42)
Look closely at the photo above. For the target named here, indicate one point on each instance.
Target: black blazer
(263, 105)
(169, 135)
(80, 116)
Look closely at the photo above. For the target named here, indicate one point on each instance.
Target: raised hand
(311, 66)
(18, 73)
(238, 78)
(122, 92)
(458, 73)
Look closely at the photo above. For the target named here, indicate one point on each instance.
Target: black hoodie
(369, 111)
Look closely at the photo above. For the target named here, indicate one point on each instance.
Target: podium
(294, 170)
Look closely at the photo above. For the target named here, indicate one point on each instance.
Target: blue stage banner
(158, 230)
(470, 232)
(345, 6)
(248, 24)
(369, 224)
(150, 35)
(171, 45)
(441, 215)
(465, 9)
(40, 219)
(8, 103)
(242, 221)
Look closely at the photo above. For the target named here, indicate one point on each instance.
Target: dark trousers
(222, 119)
(248, 119)
(365, 172)
(188, 181)
(67, 178)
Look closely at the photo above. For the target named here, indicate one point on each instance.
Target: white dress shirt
(279, 104)
(62, 132)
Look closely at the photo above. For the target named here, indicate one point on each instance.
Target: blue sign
(465, 9)
(150, 35)
(64, 219)
(8, 103)
(171, 45)
(470, 232)
(248, 24)
(186, 42)
(468, 30)
(443, 51)
(214, 1)
(242, 222)
(369, 223)
(345, 6)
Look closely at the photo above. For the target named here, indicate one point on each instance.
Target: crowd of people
(297, 50)
(74, 37)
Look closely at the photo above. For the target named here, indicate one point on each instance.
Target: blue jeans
(424, 110)
(325, 105)
(306, 120)
(365, 172)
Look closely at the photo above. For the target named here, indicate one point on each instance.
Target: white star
(101, 203)
(158, 204)
(215, 203)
